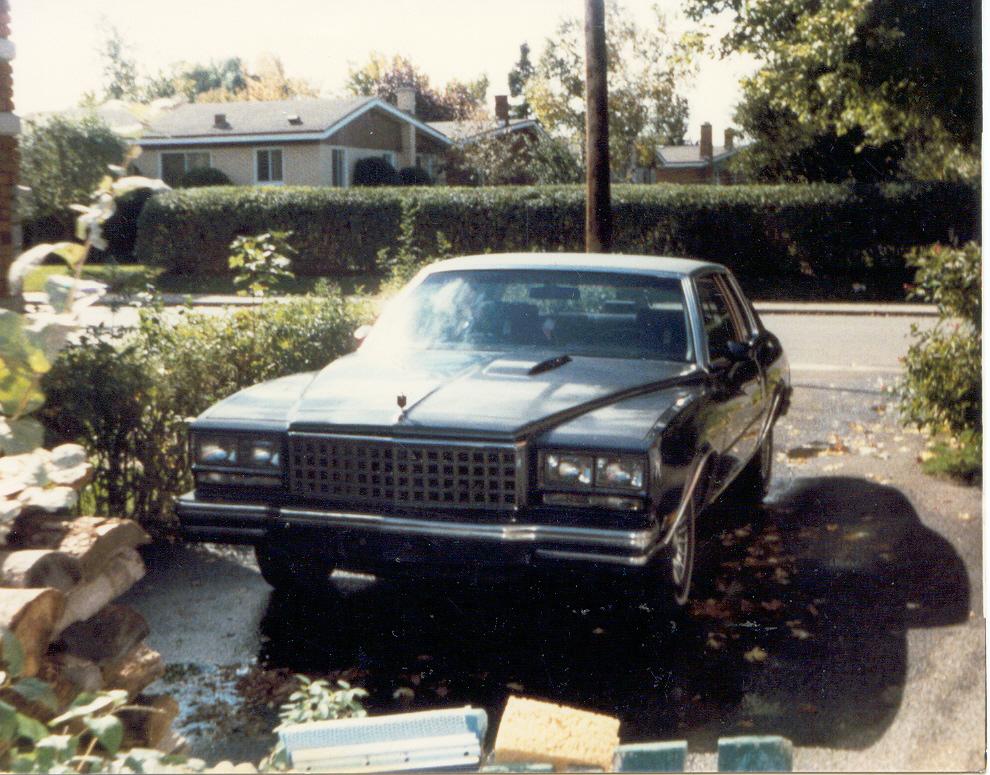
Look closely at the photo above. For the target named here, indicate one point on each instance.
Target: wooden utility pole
(598, 200)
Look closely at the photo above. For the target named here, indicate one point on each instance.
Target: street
(845, 614)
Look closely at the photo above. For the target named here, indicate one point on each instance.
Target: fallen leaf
(755, 654)
(781, 576)
(772, 605)
(807, 707)
(598, 631)
(800, 634)
(442, 691)
(516, 687)
(713, 644)
(746, 723)
(403, 693)
(831, 527)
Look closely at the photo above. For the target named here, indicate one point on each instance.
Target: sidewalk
(763, 307)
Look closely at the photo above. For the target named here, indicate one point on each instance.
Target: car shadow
(797, 626)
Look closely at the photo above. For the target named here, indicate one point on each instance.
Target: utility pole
(598, 199)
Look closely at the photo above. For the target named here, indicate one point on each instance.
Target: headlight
(568, 470)
(619, 472)
(239, 451)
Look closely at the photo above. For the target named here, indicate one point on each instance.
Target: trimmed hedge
(753, 229)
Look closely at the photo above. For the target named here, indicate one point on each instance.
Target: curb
(763, 307)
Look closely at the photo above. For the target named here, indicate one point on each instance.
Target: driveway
(845, 614)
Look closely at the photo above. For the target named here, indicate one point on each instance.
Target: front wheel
(682, 546)
(286, 571)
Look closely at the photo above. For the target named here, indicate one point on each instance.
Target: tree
(519, 76)
(382, 77)
(119, 69)
(227, 80)
(880, 76)
(646, 68)
(500, 160)
(63, 161)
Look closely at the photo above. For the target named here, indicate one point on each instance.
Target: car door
(737, 394)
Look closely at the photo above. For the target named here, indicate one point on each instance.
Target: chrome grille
(400, 473)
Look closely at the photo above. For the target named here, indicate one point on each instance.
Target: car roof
(666, 266)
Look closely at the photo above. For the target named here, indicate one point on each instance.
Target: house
(304, 142)
(702, 163)
(520, 133)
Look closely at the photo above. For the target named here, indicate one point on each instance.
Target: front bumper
(347, 533)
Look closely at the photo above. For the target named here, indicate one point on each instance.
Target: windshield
(596, 314)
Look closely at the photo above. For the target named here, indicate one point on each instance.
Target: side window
(720, 320)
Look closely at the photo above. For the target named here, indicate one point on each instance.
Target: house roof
(263, 121)
(470, 131)
(686, 156)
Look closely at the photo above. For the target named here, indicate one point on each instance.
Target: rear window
(577, 313)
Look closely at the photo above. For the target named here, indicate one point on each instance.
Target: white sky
(57, 41)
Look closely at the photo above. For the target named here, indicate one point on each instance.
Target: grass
(959, 458)
(133, 278)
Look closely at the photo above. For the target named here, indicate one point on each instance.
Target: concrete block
(667, 756)
(753, 753)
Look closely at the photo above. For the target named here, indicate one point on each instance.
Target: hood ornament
(401, 400)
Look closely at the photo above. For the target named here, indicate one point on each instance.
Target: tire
(753, 482)
(682, 552)
(289, 572)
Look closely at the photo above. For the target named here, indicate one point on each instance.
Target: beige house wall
(374, 130)
(302, 163)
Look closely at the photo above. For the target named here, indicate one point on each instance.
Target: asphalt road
(845, 614)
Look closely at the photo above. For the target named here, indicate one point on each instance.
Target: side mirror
(361, 333)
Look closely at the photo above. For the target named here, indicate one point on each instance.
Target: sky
(57, 42)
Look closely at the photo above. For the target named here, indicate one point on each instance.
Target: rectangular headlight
(567, 470)
(230, 450)
(623, 473)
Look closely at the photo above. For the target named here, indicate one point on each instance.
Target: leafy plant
(263, 261)
(942, 383)
(408, 256)
(374, 171)
(315, 701)
(204, 176)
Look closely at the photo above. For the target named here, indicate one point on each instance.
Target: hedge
(753, 229)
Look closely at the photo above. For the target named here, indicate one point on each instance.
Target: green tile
(767, 753)
(651, 757)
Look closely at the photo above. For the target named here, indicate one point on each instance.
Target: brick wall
(9, 129)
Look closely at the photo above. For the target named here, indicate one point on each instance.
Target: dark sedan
(545, 410)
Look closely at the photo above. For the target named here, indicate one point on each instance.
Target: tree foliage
(519, 76)
(513, 160)
(227, 80)
(897, 79)
(646, 70)
(119, 68)
(63, 161)
(382, 77)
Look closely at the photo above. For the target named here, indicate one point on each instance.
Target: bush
(756, 230)
(941, 388)
(374, 171)
(203, 176)
(120, 229)
(414, 176)
(127, 401)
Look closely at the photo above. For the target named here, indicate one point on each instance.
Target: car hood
(470, 393)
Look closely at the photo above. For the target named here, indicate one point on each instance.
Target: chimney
(502, 109)
(729, 134)
(706, 150)
(220, 121)
(405, 99)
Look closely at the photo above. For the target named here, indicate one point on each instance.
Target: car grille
(377, 472)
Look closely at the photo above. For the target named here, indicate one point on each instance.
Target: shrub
(374, 171)
(203, 176)
(756, 230)
(941, 388)
(414, 176)
(127, 401)
(263, 262)
(120, 229)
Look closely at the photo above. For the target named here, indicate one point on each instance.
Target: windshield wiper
(549, 364)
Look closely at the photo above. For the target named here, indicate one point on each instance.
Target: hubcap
(681, 541)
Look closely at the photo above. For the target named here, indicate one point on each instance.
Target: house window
(268, 166)
(174, 165)
(339, 167)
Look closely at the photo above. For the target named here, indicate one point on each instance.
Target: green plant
(942, 383)
(408, 256)
(414, 176)
(315, 701)
(263, 261)
(374, 171)
(127, 400)
(756, 230)
(204, 176)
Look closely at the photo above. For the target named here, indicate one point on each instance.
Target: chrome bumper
(250, 523)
